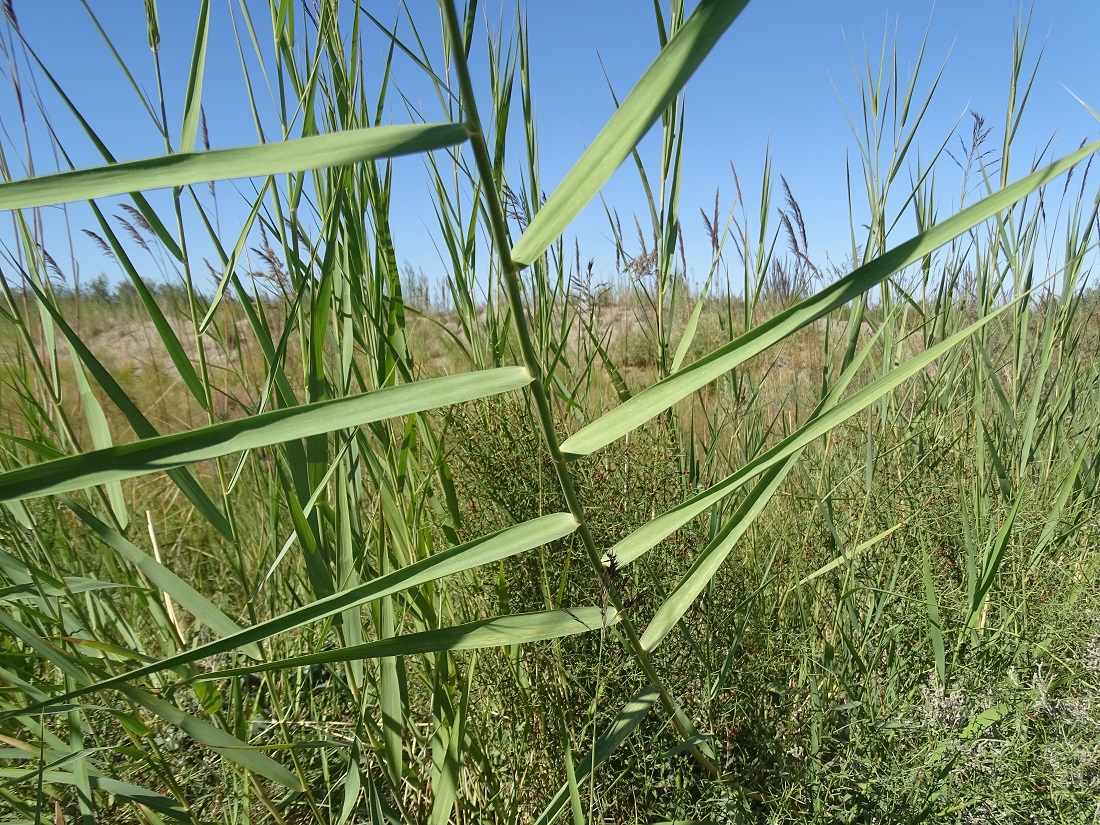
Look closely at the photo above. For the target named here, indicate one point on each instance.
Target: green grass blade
(652, 532)
(991, 564)
(446, 777)
(124, 790)
(44, 649)
(932, 611)
(343, 148)
(484, 550)
(849, 555)
(1068, 487)
(143, 206)
(624, 723)
(501, 631)
(166, 452)
(101, 437)
(230, 265)
(575, 803)
(706, 565)
(693, 324)
(225, 744)
(183, 478)
(160, 576)
(391, 699)
(656, 90)
(167, 334)
(648, 403)
(228, 746)
(192, 104)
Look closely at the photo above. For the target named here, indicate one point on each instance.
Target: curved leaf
(613, 735)
(125, 790)
(225, 744)
(164, 579)
(654, 531)
(779, 460)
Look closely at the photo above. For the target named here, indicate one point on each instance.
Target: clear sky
(777, 77)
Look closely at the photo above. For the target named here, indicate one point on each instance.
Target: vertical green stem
(510, 272)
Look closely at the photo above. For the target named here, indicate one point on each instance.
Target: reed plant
(338, 578)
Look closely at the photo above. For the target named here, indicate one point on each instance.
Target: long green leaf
(991, 564)
(137, 420)
(125, 790)
(484, 550)
(168, 337)
(192, 104)
(165, 452)
(101, 436)
(497, 632)
(143, 206)
(707, 564)
(349, 147)
(625, 721)
(229, 746)
(652, 532)
(648, 403)
(160, 576)
(656, 90)
(849, 555)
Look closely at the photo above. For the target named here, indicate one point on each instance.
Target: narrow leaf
(648, 403)
(341, 148)
(160, 576)
(192, 104)
(227, 745)
(125, 790)
(169, 451)
(624, 723)
(498, 632)
(652, 532)
(708, 562)
(484, 550)
(656, 90)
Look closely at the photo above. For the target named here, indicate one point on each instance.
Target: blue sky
(777, 78)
